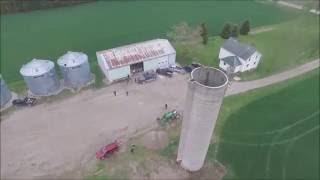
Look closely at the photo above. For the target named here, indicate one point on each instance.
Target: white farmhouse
(238, 57)
(118, 63)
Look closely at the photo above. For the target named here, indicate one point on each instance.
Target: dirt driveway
(50, 140)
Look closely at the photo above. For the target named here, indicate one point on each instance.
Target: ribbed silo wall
(76, 76)
(5, 93)
(205, 93)
(44, 84)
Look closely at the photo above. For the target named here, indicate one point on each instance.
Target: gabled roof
(232, 61)
(137, 52)
(239, 49)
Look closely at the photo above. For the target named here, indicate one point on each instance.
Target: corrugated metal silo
(205, 93)
(5, 93)
(75, 69)
(40, 77)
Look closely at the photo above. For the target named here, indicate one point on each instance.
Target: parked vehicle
(147, 77)
(168, 117)
(27, 101)
(177, 69)
(165, 72)
(188, 68)
(196, 65)
(107, 150)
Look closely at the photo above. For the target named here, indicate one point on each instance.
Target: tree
(234, 31)
(204, 33)
(185, 38)
(182, 33)
(226, 31)
(245, 28)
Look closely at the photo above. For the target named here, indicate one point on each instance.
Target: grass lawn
(101, 25)
(272, 132)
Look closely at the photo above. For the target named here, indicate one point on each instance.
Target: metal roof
(36, 67)
(239, 49)
(232, 61)
(72, 59)
(137, 52)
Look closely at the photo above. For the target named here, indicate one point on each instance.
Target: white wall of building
(225, 67)
(103, 65)
(224, 53)
(118, 73)
(172, 60)
(156, 63)
(252, 62)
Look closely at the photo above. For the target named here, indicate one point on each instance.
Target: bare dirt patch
(155, 139)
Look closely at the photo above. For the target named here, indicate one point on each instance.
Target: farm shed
(40, 77)
(118, 63)
(75, 69)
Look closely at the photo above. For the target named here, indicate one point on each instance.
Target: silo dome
(40, 77)
(75, 69)
(5, 93)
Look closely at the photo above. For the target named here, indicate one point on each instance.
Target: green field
(286, 46)
(272, 132)
(101, 25)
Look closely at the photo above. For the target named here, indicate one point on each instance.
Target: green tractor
(168, 117)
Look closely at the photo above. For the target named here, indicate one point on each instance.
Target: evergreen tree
(204, 33)
(234, 31)
(226, 31)
(245, 28)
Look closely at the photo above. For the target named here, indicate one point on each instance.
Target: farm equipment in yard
(147, 77)
(165, 72)
(27, 101)
(107, 150)
(168, 117)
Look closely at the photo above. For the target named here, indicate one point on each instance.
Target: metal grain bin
(5, 93)
(75, 69)
(205, 93)
(40, 77)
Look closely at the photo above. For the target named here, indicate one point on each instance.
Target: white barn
(118, 63)
(238, 57)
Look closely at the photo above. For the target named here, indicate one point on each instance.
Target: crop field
(273, 132)
(95, 26)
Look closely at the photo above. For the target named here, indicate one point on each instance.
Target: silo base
(9, 103)
(77, 89)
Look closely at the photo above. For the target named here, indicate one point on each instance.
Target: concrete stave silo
(205, 93)
(5, 93)
(75, 69)
(40, 77)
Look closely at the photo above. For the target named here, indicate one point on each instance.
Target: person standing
(132, 148)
